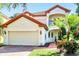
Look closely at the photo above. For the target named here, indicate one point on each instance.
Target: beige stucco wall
(42, 19)
(42, 36)
(23, 24)
(58, 10)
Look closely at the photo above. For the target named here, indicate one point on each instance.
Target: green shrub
(44, 52)
(1, 44)
(77, 52)
(71, 47)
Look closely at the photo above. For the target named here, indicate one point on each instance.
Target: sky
(36, 7)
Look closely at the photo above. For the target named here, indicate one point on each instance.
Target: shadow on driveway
(9, 49)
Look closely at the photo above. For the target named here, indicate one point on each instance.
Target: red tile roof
(26, 16)
(58, 6)
(38, 14)
(44, 13)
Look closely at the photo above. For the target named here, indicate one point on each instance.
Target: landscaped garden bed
(71, 48)
(64, 48)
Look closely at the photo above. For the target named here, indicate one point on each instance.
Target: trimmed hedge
(44, 52)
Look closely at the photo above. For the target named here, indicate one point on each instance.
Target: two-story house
(34, 28)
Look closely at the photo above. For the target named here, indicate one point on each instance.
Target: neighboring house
(34, 28)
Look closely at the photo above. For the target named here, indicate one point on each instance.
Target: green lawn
(44, 52)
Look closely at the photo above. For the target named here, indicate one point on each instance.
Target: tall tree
(77, 9)
(60, 23)
(9, 6)
(13, 5)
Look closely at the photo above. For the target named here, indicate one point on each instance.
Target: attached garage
(23, 38)
(24, 30)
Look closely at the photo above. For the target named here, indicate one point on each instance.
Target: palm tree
(71, 23)
(60, 23)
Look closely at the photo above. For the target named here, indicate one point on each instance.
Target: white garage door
(23, 38)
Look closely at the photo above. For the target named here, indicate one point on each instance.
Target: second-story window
(51, 22)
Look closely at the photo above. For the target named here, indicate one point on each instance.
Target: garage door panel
(23, 37)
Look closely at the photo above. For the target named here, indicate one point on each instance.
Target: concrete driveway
(17, 50)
